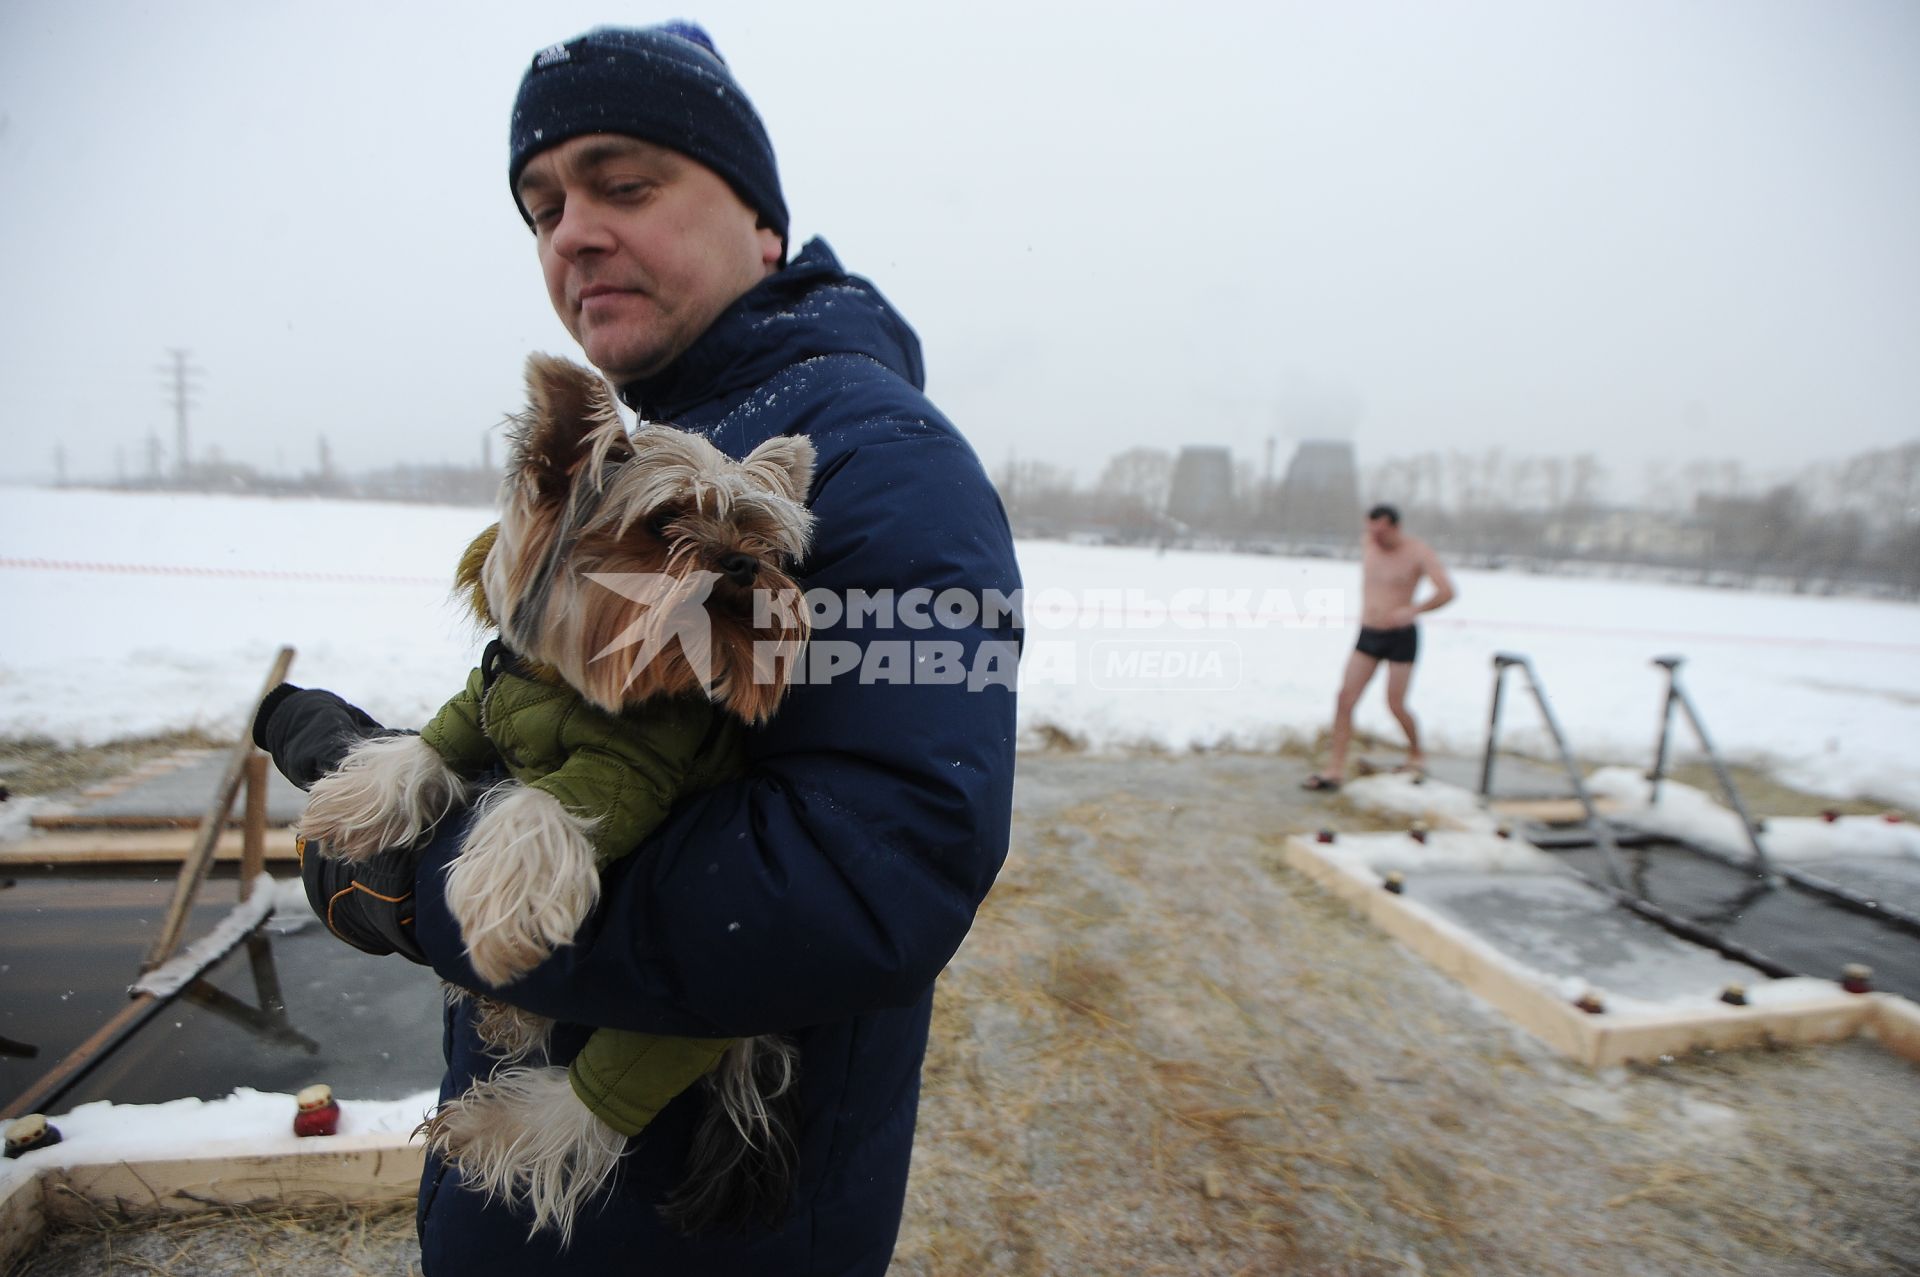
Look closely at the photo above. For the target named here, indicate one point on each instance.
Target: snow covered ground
(248, 1122)
(135, 613)
(131, 613)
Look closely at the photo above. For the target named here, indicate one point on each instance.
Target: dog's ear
(784, 464)
(570, 420)
(673, 466)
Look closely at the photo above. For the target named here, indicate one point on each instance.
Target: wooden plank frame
(1529, 999)
(23, 1219)
(253, 836)
(137, 847)
(193, 869)
(72, 821)
(1549, 811)
(375, 1167)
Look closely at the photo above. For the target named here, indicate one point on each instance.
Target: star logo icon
(672, 607)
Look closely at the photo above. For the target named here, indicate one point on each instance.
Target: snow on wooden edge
(180, 970)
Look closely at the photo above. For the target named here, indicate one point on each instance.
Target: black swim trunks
(1402, 644)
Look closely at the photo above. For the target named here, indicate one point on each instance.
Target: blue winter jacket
(820, 896)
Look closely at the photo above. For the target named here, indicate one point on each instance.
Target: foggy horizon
(1637, 231)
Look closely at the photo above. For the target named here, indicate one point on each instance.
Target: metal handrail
(1677, 695)
(1762, 864)
(1768, 876)
(1602, 833)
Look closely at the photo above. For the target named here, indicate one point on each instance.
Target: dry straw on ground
(336, 1239)
(1161, 1052)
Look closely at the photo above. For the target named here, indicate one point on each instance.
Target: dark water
(278, 1013)
(1795, 928)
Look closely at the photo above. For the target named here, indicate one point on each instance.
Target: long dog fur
(523, 882)
(522, 1136)
(509, 1033)
(742, 1161)
(387, 792)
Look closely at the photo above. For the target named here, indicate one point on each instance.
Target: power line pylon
(180, 387)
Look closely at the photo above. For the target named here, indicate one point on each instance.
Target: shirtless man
(1391, 568)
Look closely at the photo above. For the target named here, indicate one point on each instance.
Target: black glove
(368, 903)
(307, 731)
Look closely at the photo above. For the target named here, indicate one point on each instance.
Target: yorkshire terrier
(628, 568)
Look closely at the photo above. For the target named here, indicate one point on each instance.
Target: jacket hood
(808, 309)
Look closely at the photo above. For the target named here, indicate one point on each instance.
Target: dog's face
(652, 564)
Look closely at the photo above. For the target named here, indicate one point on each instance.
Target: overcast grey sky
(1631, 228)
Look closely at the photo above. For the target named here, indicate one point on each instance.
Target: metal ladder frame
(1618, 890)
(1677, 695)
(1762, 865)
(1602, 832)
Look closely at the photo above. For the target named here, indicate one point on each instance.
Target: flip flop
(1319, 782)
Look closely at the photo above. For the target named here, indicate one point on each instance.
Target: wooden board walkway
(76, 847)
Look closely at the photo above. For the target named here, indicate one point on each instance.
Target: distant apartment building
(1201, 494)
(1318, 503)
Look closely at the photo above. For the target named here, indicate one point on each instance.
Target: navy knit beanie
(665, 84)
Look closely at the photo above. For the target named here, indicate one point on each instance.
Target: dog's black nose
(740, 568)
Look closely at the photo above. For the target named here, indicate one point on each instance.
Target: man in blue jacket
(820, 896)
